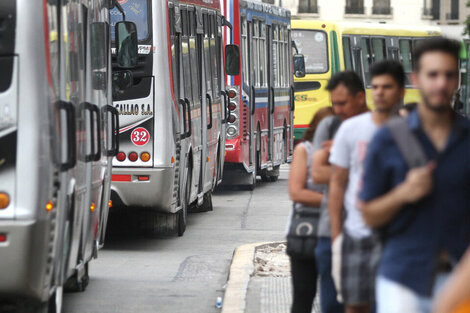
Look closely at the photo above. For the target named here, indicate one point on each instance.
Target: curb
(240, 273)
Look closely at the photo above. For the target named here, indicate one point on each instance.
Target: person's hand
(418, 183)
(327, 145)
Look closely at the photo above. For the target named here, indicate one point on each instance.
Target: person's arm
(338, 183)
(298, 176)
(381, 210)
(456, 291)
(340, 160)
(321, 169)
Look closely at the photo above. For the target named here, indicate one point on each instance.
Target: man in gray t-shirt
(348, 99)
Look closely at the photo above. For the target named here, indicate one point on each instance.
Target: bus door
(271, 93)
(252, 96)
(73, 90)
(212, 100)
(190, 89)
(392, 48)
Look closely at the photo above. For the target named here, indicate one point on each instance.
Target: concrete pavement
(187, 274)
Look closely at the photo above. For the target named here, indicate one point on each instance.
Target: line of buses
(147, 106)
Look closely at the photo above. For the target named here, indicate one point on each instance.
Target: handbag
(302, 233)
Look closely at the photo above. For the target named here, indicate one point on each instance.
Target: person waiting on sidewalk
(355, 249)
(347, 96)
(423, 212)
(307, 198)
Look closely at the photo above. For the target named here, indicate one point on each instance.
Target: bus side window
(206, 51)
(378, 48)
(186, 58)
(262, 55)
(405, 58)
(348, 62)
(255, 54)
(285, 59)
(175, 54)
(194, 57)
(393, 51)
(219, 53)
(275, 65)
(281, 57)
(213, 57)
(366, 59)
(244, 52)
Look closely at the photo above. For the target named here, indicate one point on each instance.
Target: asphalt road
(137, 274)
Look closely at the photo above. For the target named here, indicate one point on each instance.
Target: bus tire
(206, 205)
(183, 213)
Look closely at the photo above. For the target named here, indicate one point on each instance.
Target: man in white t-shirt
(355, 249)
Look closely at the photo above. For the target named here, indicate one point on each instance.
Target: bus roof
(212, 4)
(354, 28)
(265, 8)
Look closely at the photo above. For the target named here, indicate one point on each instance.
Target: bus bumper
(23, 260)
(149, 188)
(233, 151)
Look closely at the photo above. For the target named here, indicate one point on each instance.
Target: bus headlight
(232, 131)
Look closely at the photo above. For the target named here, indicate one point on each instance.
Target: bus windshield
(137, 11)
(313, 45)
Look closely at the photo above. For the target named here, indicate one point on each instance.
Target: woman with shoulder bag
(303, 223)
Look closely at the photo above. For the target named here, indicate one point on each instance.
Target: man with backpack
(355, 249)
(417, 194)
(348, 99)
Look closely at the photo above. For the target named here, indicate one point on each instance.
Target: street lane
(187, 274)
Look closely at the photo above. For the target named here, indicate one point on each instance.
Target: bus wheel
(206, 205)
(183, 213)
(252, 184)
(271, 176)
(76, 284)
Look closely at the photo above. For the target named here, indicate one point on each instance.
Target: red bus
(260, 124)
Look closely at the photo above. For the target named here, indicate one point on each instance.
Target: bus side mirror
(122, 80)
(232, 60)
(126, 44)
(299, 65)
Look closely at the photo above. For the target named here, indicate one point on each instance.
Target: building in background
(450, 14)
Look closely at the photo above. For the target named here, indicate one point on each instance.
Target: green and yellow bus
(329, 47)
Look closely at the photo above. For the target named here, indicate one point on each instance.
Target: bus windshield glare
(137, 12)
(313, 45)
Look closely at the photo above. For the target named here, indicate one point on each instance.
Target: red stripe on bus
(301, 126)
(121, 178)
(47, 44)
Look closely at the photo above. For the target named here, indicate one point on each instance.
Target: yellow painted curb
(241, 270)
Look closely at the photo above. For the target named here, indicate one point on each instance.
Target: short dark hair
(410, 106)
(389, 67)
(349, 79)
(436, 44)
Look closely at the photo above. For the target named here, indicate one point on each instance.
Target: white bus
(172, 118)
(57, 133)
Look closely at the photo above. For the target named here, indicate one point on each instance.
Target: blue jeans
(328, 301)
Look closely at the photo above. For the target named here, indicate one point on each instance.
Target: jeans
(392, 297)
(304, 281)
(328, 301)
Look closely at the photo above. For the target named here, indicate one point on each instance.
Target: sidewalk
(260, 280)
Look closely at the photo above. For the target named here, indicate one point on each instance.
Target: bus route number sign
(140, 136)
